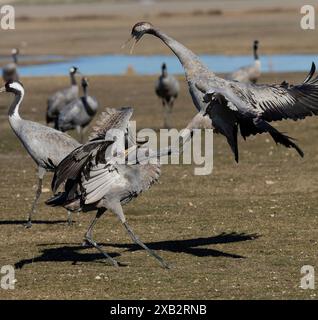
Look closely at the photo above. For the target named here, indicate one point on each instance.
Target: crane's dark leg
(88, 239)
(69, 218)
(41, 173)
(140, 243)
(165, 115)
(117, 209)
(80, 133)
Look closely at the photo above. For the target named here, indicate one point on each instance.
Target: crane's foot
(86, 243)
(28, 224)
(164, 264)
(112, 262)
(69, 219)
(109, 260)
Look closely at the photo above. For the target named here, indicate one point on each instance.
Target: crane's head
(164, 71)
(255, 46)
(15, 87)
(14, 51)
(73, 70)
(138, 30)
(84, 82)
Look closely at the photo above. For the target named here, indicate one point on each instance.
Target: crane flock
(86, 174)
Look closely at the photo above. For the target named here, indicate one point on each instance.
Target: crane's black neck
(15, 58)
(255, 52)
(90, 111)
(190, 62)
(85, 91)
(164, 71)
(73, 78)
(14, 108)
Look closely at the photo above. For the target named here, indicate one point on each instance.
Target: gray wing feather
(271, 102)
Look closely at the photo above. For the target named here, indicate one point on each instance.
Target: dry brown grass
(227, 235)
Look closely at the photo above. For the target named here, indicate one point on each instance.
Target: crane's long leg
(41, 173)
(89, 239)
(139, 242)
(117, 209)
(167, 110)
(69, 218)
(80, 133)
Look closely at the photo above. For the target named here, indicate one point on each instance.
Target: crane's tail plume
(278, 137)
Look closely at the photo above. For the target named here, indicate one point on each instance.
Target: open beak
(132, 38)
(3, 89)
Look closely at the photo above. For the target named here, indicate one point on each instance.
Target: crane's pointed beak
(126, 42)
(3, 89)
(132, 38)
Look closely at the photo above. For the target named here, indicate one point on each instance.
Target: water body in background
(148, 65)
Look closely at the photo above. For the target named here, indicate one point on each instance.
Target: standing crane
(249, 73)
(61, 98)
(10, 71)
(46, 146)
(232, 105)
(78, 113)
(94, 179)
(167, 89)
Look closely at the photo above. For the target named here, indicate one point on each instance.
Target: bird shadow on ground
(64, 254)
(190, 246)
(22, 222)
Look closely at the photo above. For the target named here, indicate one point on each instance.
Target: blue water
(147, 65)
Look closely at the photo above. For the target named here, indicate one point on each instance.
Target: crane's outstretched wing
(72, 165)
(111, 119)
(269, 102)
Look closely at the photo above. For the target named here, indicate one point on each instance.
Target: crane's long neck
(190, 62)
(13, 113)
(85, 91)
(256, 57)
(15, 58)
(73, 79)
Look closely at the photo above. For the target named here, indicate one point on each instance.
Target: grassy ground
(243, 232)
(225, 27)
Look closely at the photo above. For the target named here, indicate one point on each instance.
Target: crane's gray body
(78, 113)
(251, 73)
(95, 180)
(232, 105)
(167, 87)
(45, 145)
(61, 98)
(10, 71)
(247, 74)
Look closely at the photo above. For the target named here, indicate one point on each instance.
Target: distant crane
(10, 71)
(232, 105)
(249, 73)
(94, 180)
(46, 146)
(78, 113)
(61, 98)
(167, 88)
